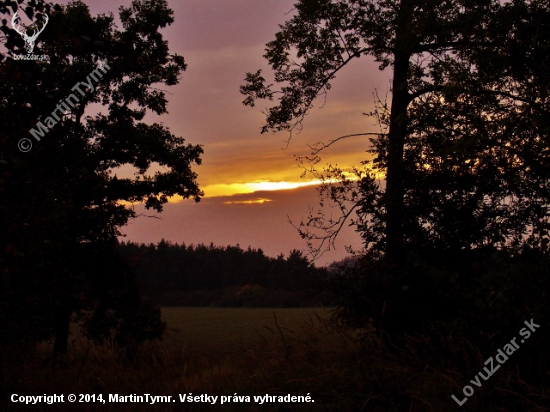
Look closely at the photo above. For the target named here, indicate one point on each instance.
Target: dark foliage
(224, 276)
(461, 224)
(61, 203)
(479, 299)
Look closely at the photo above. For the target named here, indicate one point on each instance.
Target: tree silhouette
(63, 201)
(463, 73)
(463, 143)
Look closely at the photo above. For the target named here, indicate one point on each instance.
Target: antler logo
(29, 40)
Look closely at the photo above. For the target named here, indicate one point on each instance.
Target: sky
(244, 171)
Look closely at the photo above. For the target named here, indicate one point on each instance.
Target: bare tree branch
(319, 146)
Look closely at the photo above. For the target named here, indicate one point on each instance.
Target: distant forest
(199, 275)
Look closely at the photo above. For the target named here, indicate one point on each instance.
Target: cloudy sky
(222, 41)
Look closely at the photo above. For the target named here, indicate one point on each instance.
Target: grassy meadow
(223, 351)
(226, 330)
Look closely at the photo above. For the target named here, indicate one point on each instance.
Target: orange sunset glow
(243, 188)
(241, 169)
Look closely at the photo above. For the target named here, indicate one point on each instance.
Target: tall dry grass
(341, 368)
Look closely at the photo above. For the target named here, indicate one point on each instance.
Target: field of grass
(217, 351)
(252, 352)
(227, 329)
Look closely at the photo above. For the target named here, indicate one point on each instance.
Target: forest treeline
(207, 275)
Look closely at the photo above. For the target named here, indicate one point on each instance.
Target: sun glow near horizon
(231, 189)
(247, 188)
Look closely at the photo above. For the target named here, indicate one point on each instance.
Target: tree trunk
(61, 331)
(395, 190)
